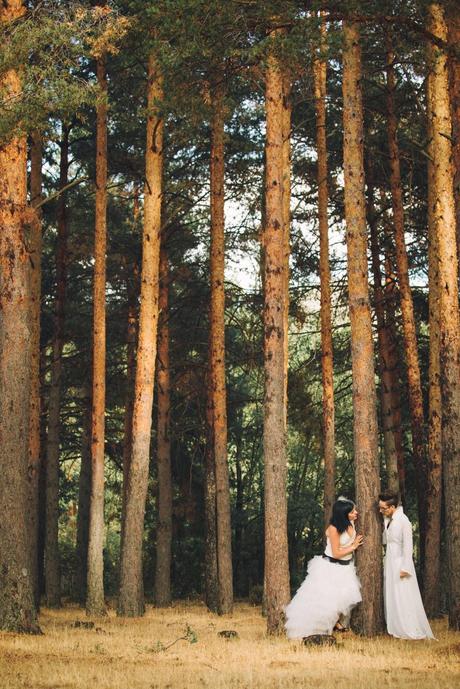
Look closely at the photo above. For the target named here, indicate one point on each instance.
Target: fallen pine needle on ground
(180, 647)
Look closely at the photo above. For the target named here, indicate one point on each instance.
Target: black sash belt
(334, 559)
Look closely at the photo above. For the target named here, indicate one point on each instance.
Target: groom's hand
(403, 574)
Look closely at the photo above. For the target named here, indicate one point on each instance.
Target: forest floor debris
(75, 657)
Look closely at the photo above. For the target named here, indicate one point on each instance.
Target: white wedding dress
(404, 612)
(330, 590)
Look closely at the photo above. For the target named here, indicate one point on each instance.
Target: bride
(331, 587)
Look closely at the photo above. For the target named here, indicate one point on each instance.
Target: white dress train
(330, 590)
(404, 612)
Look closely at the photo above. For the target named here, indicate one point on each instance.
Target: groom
(404, 612)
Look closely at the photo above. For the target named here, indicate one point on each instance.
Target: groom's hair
(391, 499)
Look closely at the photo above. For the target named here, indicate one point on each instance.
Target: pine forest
(229, 240)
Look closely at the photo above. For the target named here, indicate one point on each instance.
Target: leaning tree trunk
(431, 573)
(131, 598)
(95, 603)
(52, 566)
(217, 388)
(35, 243)
(17, 609)
(444, 221)
(277, 591)
(384, 341)
(419, 446)
(327, 360)
(364, 396)
(165, 502)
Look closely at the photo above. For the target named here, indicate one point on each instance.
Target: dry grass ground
(131, 654)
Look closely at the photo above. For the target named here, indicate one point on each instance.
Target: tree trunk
(42, 476)
(52, 567)
(164, 524)
(131, 338)
(17, 609)
(131, 599)
(286, 177)
(35, 244)
(431, 573)
(419, 448)
(274, 441)
(84, 498)
(210, 515)
(444, 220)
(95, 603)
(217, 388)
(454, 86)
(327, 359)
(364, 397)
(390, 306)
(384, 341)
(240, 576)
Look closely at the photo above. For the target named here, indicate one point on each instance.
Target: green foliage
(51, 48)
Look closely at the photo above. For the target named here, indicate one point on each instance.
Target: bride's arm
(339, 551)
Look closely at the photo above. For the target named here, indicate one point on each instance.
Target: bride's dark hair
(340, 511)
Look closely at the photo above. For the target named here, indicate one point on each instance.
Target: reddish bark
(277, 592)
(17, 609)
(131, 598)
(444, 221)
(95, 603)
(327, 360)
(217, 389)
(364, 398)
(164, 519)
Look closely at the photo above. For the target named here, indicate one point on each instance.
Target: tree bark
(84, 498)
(52, 566)
(364, 397)
(131, 340)
(217, 389)
(95, 603)
(327, 359)
(431, 573)
(454, 87)
(444, 220)
(164, 523)
(17, 609)
(286, 177)
(210, 515)
(131, 598)
(35, 244)
(390, 306)
(274, 437)
(385, 345)
(42, 476)
(419, 446)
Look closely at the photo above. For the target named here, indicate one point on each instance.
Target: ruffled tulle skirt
(328, 591)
